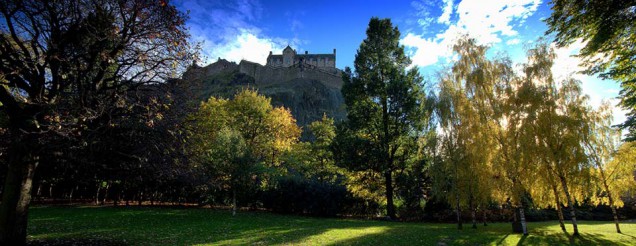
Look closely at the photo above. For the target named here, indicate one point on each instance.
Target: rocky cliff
(308, 92)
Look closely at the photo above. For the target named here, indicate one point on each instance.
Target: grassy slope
(166, 226)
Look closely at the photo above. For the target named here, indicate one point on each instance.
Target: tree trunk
(570, 204)
(459, 215)
(522, 219)
(233, 202)
(615, 213)
(558, 207)
(611, 199)
(485, 217)
(17, 193)
(390, 208)
(105, 193)
(388, 179)
(99, 188)
(38, 195)
(70, 196)
(473, 215)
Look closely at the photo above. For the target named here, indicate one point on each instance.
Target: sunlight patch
(344, 236)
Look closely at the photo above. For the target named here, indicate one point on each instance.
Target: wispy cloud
(513, 41)
(294, 19)
(496, 23)
(487, 23)
(424, 17)
(229, 30)
(447, 11)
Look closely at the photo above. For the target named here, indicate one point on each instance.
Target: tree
(384, 106)
(612, 169)
(559, 123)
(465, 113)
(235, 140)
(67, 68)
(606, 27)
(512, 165)
(314, 159)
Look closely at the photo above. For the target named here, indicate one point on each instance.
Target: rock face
(309, 92)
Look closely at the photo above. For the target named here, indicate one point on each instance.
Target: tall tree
(384, 103)
(559, 125)
(613, 171)
(606, 27)
(67, 67)
(465, 110)
(513, 167)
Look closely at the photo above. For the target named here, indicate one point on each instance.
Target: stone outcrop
(308, 92)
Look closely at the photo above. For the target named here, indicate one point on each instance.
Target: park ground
(56, 225)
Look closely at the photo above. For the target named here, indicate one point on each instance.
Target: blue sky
(249, 29)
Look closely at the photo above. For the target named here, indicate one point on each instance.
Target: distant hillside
(307, 92)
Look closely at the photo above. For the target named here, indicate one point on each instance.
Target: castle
(289, 58)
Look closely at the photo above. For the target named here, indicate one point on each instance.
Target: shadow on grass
(78, 242)
(169, 226)
(633, 237)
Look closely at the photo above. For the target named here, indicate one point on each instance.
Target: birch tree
(558, 124)
(613, 163)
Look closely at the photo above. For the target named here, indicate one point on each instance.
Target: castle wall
(290, 58)
(267, 74)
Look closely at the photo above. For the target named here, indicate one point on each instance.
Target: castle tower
(288, 56)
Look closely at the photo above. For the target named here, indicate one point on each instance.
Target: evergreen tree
(385, 103)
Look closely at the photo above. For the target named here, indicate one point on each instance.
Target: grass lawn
(193, 226)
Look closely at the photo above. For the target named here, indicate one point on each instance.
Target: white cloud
(567, 64)
(490, 23)
(486, 22)
(513, 41)
(247, 46)
(427, 55)
(447, 11)
(227, 30)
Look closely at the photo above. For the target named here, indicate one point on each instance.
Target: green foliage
(239, 141)
(314, 160)
(606, 27)
(385, 107)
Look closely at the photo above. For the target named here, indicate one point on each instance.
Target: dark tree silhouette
(68, 68)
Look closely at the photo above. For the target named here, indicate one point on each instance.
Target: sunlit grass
(167, 226)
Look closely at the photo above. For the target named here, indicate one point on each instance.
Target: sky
(249, 29)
